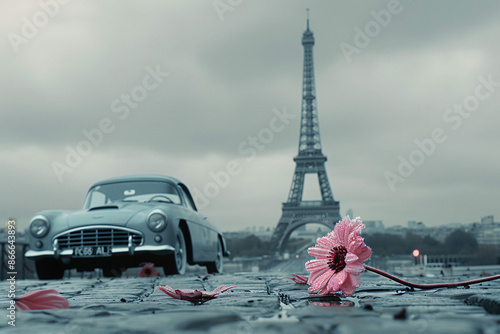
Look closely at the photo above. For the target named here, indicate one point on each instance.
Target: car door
(203, 236)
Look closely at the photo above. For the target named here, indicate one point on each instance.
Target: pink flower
(194, 296)
(149, 270)
(339, 259)
(41, 300)
(299, 279)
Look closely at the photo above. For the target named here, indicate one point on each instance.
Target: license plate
(92, 251)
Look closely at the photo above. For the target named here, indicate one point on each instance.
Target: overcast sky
(222, 73)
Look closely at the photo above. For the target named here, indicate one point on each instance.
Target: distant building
(396, 230)
(373, 226)
(262, 232)
(441, 232)
(414, 225)
(487, 220)
(487, 232)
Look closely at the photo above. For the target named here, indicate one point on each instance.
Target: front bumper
(145, 249)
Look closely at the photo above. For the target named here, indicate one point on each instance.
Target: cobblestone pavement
(261, 303)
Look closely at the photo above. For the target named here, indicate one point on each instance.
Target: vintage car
(126, 222)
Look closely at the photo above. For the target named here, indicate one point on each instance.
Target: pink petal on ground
(169, 291)
(189, 294)
(41, 300)
(149, 270)
(299, 279)
(194, 296)
(223, 288)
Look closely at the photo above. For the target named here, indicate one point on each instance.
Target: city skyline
(407, 93)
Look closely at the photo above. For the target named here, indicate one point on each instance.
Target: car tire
(216, 266)
(49, 269)
(111, 272)
(177, 262)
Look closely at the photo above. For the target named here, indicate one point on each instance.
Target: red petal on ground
(41, 300)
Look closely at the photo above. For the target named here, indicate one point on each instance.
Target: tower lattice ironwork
(310, 160)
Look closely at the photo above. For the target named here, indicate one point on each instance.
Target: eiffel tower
(310, 160)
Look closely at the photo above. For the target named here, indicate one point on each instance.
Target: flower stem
(430, 286)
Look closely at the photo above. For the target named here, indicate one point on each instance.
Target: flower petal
(169, 291)
(337, 279)
(321, 281)
(350, 257)
(340, 234)
(316, 265)
(317, 273)
(355, 268)
(320, 253)
(149, 270)
(325, 242)
(188, 293)
(41, 300)
(195, 296)
(364, 252)
(222, 288)
(351, 283)
(299, 279)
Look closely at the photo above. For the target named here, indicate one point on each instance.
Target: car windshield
(132, 191)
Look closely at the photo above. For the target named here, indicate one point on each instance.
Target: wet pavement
(261, 303)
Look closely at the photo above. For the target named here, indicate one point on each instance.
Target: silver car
(126, 222)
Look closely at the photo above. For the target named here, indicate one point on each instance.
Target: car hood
(113, 214)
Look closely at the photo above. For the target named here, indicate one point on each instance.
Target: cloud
(226, 78)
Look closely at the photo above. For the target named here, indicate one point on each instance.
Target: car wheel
(49, 269)
(216, 266)
(177, 262)
(111, 272)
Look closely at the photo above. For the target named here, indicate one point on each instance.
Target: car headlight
(39, 227)
(157, 221)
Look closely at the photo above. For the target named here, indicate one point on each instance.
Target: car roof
(138, 177)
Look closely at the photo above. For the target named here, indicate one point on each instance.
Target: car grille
(98, 237)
